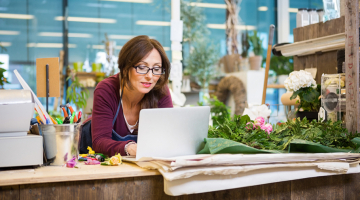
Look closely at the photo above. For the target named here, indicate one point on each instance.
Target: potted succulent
(303, 85)
(3, 80)
(256, 44)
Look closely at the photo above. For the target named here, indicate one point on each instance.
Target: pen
(39, 119)
(47, 120)
(71, 111)
(72, 117)
(64, 110)
(66, 120)
(59, 121)
(79, 117)
(52, 119)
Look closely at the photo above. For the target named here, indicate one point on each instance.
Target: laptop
(170, 132)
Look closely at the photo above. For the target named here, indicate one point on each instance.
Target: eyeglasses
(141, 69)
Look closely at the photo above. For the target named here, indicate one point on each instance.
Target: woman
(141, 83)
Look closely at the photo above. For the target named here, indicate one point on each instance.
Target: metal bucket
(60, 142)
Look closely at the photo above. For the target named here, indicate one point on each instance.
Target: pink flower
(92, 162)
(267, 128)
(259, 121)
(71, 163)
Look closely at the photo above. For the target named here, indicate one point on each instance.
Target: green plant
(219, 112)
(201, 62)
(245, 45)
(3, 80)
(256, 44)
(330, 134)
(76, 93)
(194, 26)
(281, 65)
(309, 98)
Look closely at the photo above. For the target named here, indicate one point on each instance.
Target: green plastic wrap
(220, 145)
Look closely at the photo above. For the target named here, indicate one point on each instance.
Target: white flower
(299, 79)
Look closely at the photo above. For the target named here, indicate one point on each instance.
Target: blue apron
(116, 136)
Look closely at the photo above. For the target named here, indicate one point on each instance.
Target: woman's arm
(104, 110)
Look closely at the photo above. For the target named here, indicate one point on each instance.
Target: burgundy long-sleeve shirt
(106, 101)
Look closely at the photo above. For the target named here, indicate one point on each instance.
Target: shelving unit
(326, 61)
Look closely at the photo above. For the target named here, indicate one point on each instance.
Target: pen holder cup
(60, 142)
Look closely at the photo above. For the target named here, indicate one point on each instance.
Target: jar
(320, 12)
(313, 16)
(302, 17)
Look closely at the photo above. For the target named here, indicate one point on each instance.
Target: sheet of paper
(176, 30)
(176, 55)
(54, 77)
(313, 71)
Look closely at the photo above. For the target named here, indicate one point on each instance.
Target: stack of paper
(240, 170)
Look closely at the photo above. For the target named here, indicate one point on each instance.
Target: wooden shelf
(312, 46)
(275, 86)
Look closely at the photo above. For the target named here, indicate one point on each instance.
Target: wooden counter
(131, 182)
(60, 174)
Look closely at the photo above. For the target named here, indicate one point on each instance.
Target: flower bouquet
(302, 84)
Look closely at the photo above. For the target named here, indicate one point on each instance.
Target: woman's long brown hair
(132, 53)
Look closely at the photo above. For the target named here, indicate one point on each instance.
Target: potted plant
(245, 46)
(303, 85)
(256, 44)
(282, 66)
(201, 65)
(3, 80)
(76, 93)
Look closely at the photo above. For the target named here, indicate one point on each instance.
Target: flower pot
(255, 62)
(96, 67)
(309, 115)
(78, 66)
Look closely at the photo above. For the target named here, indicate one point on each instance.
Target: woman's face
(143, 83)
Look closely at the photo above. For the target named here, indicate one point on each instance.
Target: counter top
(49, 174)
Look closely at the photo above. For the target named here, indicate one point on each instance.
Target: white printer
(18, 148)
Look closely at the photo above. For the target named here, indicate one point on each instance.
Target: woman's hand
(131, 149)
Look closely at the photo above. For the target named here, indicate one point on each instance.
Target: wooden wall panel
(152, 187)
(10, 192)
(352, 186)
(325, 62)
(327, 187)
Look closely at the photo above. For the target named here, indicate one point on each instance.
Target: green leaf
(244, 119)
(295, 94)
(311, 95)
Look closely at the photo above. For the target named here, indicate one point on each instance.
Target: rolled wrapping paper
(285, 99)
